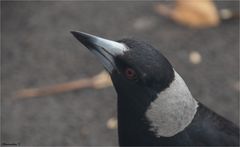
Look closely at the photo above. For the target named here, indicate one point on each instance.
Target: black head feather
(153, 69)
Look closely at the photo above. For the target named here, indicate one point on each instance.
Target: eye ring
(130, 73)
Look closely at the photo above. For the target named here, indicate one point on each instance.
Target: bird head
(132, 65)
(138, 71)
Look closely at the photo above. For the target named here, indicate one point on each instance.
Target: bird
(154, 105)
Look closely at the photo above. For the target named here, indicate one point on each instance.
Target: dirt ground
(37, 50)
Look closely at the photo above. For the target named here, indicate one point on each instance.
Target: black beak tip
(75, 34)
(84, 38)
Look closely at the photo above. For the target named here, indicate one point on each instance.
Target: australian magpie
(155, 106)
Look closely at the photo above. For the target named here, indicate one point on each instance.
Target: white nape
(173, 110)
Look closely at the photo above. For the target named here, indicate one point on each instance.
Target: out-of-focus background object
(196, 13)
(99, 81)
(37, 51)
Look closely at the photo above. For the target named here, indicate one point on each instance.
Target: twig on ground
(99, 81)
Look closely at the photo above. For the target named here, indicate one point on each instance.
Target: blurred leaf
(192, 13)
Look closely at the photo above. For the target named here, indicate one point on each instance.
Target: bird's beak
(104, 49)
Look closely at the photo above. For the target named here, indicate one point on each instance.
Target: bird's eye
(130, 73)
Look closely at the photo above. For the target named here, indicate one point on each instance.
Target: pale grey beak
(104, 49)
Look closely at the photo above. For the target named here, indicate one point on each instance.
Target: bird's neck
(173, 109)
(167, 115)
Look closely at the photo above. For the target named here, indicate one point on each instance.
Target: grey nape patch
(173, 110)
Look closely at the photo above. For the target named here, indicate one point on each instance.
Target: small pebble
(226, 13)
(237, 85)
(112, 123)
(144, 23)
(195, 57)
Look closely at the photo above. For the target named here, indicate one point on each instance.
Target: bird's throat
(132, 127)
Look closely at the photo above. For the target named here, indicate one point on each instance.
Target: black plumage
(140, 75)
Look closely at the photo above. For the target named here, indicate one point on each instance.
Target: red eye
(130, 73)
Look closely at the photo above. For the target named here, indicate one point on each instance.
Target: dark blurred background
(38, 50)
